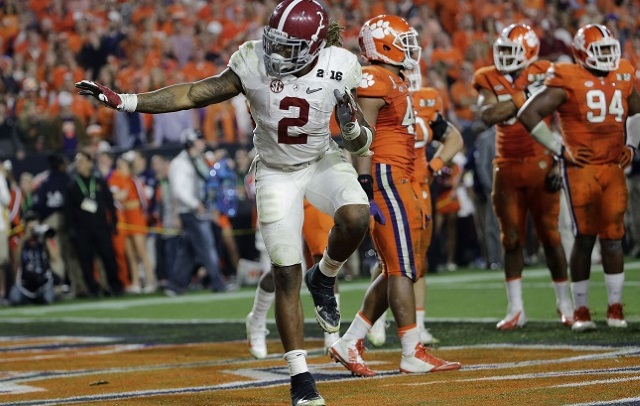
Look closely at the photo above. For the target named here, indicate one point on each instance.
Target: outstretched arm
(182, 96)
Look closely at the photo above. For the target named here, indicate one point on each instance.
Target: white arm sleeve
(544, 136)
(633, 130)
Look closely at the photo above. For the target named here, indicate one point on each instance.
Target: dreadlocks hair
(334, 35)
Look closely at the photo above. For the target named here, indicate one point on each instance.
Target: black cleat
(324, 300)
(304, 392)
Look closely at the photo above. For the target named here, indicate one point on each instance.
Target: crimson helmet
(390, 39)
(595, 47)
(296, 33)
(515, 48)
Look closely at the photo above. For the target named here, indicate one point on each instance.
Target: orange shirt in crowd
(80, 106)
(450, 57)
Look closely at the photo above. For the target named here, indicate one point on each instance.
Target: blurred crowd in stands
(135, 46)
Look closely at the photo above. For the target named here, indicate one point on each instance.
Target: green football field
(462, 307)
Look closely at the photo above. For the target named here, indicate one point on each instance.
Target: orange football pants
(315, 229)
(398, 241)
(597, 196)
(518, 187)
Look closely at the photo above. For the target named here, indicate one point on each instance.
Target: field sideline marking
(120, 304)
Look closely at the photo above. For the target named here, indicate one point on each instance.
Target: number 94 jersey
(292, 113)
(595, 111)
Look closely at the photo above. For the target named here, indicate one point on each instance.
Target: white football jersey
(292, 113)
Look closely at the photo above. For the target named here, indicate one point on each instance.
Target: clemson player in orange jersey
(521, 169)
(391, 45)
(594, 98)
(430, 125)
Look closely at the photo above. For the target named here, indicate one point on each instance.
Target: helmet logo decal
(314, 37)
(531, 39)
(276, 86)
(380, 29)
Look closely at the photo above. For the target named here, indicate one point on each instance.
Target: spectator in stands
(91, 218)
(463, 99)
(67, 129)
(35, 130)
(188, 173)
(108, 173)
(485, 152)
(552, 48)
(167, 127)
(10, 144)
(168, 240)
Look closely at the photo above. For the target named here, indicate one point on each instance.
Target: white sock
(358, 329)
(329, 267)
(514, 295)
(614, 283)
(420, 317)
(562, 291)
(409, 338)
(261, 304)
(580, 293)
(297, 361)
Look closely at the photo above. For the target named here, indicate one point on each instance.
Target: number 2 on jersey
(597, 104)
(301, 120)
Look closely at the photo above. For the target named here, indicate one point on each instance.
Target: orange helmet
(595, 47)
(390, 39)
(516, 47)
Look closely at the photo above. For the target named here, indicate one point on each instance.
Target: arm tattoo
(191, 95)
(215, 89)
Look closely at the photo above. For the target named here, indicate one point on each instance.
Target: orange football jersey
(595, 111)
(512, 139)
(426, 103)
(394, 139)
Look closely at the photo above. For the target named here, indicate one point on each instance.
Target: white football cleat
(426, 337)
(615, 318)
(421, 362)
(349, 354)
(512, 321)
(565, 312)
(377, 334)
(582, 320)
(330, 338)
(256, 338)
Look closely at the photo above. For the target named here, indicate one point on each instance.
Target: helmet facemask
(603, 55)
(412, 49)
(508, 56)
(286, 55)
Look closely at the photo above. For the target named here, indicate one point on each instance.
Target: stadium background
(134, 46)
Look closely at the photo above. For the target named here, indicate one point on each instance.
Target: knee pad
(550, 239)
(284, 254)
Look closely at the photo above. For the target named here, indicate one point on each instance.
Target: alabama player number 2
(302, 106)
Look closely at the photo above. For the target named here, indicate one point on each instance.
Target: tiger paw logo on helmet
(380, 29)
(367, 80)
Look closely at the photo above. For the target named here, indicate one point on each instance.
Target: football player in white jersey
(293, 83)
